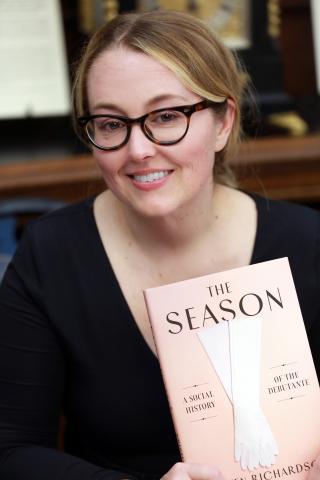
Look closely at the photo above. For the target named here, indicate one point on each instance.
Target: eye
(165, 117)
(109, 125)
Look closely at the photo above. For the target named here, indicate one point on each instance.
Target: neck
(180, 230)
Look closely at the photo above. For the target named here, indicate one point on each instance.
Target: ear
(224, 125)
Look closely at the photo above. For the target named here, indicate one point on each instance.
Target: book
(238, 371)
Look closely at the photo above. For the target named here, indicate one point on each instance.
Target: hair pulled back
(185, 45)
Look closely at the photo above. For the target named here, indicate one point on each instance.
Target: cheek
(107, 164)
(201, 165)
(201, 156)
(208, 152)
(202, 145)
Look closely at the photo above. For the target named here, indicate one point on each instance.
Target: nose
(139, 146)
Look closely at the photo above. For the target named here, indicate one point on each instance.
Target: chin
(152, 210)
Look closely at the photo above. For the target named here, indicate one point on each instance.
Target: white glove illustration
(234, 349)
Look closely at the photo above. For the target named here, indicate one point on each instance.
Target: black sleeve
(314, 332)
(32, 377)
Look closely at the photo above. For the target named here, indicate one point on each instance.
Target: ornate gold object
(92, 13)
(230, 18)
(274, 18)
(86, 16)
(110, 9)
(291, 121)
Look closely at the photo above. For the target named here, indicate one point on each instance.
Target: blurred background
(42, 163)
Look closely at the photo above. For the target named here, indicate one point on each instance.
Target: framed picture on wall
(34, 79)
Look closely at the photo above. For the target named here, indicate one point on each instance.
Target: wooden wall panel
(283, 168)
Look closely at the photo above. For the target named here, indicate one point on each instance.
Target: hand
(194, 471)
(315, 472)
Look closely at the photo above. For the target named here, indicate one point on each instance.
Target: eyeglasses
(165, 126)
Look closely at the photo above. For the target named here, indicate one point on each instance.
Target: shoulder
(290, 230)
(63, 223)
(58, 254)
(66, 213)
(285, 210)
(286, 226)
(57, 239)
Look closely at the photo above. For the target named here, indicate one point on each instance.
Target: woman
(157, 97)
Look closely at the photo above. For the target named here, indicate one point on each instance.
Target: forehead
(127, 77)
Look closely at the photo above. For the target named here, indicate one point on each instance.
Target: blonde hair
(190, 49)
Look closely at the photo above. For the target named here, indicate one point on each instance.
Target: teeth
(151, 177)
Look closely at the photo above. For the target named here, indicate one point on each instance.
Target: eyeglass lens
(164, 126)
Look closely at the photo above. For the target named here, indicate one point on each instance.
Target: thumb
(315, 471)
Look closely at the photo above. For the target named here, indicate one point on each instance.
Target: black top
(68, 343)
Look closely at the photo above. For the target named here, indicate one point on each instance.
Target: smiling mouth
(151, 177)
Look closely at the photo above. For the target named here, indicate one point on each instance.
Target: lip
(153, 185)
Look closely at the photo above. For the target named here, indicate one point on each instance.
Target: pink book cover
(238, 371)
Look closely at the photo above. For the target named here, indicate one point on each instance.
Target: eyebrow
(152, 102)
(108, 106)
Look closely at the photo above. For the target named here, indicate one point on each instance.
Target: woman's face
(151, 179)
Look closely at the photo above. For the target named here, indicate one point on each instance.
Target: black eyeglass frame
(187, 110)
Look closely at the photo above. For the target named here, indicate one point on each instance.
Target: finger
(237, 452)
(177, 472)
(244, 459)
(198, 471)
(315, 472)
